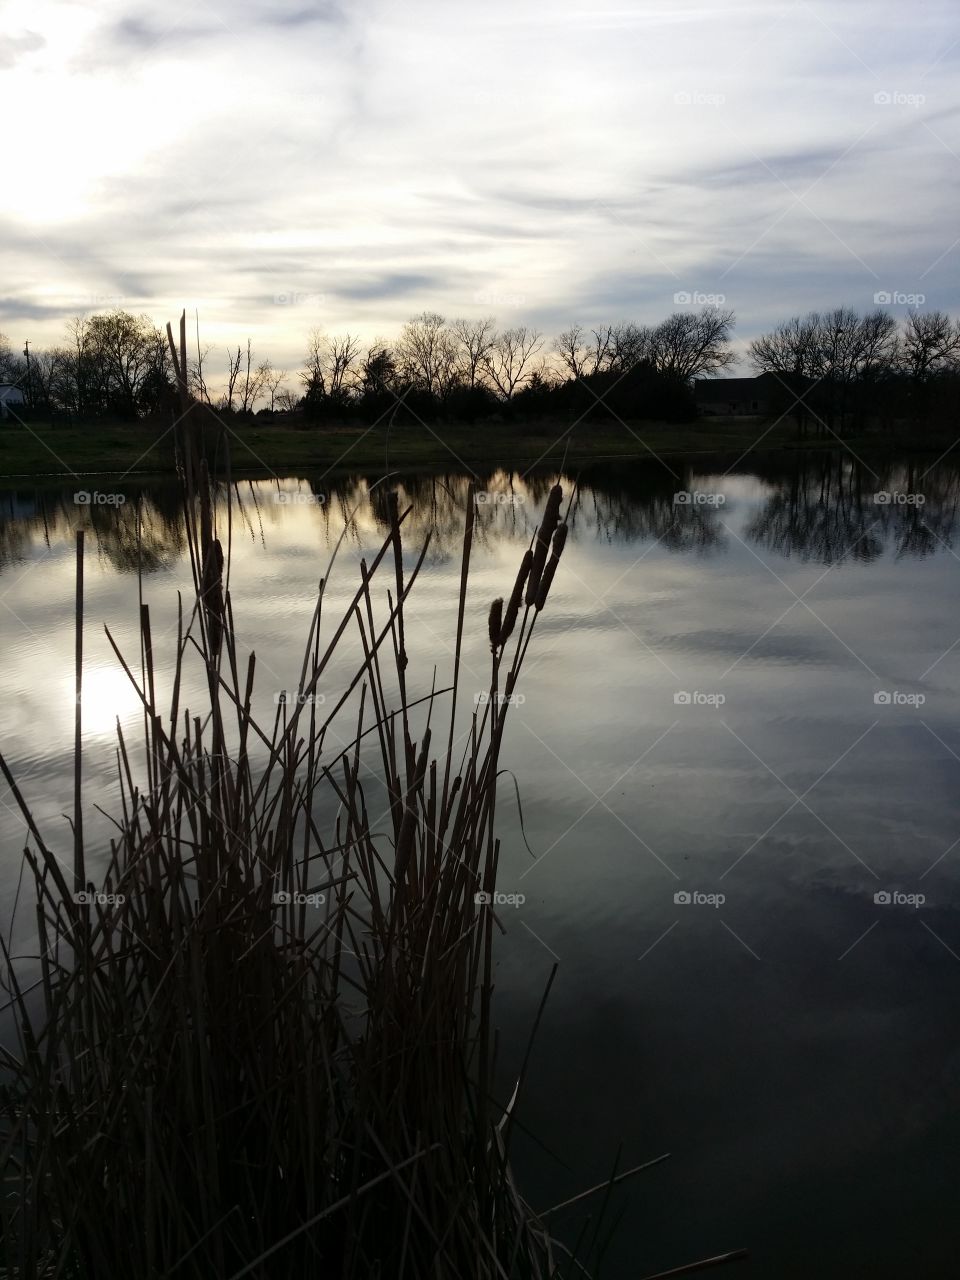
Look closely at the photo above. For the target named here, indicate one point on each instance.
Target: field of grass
(272, 448)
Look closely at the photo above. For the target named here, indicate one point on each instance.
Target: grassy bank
(275, 448)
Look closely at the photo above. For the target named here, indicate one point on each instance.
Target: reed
(219, 1075)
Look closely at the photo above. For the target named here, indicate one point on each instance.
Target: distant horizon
(215, 355)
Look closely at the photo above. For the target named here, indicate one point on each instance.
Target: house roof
(764, 384)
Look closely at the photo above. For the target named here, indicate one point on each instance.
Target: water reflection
(835, 507)
(822, 508)
(759, 1043)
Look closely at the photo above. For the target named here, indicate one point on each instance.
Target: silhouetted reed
(263, 1045)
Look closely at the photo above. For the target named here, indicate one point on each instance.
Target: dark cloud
(24, 309)
(304, 15)
(141, 34)
(804, 164)
(395, 284)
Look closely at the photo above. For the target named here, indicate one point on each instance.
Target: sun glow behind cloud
(303, 165)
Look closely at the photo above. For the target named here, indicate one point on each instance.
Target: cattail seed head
(559, 541)
(516, 598)
(494, 621)
(551, 514)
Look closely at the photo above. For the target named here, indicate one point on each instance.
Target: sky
(281, 167)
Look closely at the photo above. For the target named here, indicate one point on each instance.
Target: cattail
(559, 540)
(516, 598)
(493, 622)
(551, 514)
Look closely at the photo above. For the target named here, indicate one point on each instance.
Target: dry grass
(263, 1045)
(221, 1078)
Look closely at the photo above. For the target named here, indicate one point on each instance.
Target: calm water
(701, 719)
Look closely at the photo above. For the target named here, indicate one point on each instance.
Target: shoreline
(25, 453)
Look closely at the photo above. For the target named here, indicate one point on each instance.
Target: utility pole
(26, 352)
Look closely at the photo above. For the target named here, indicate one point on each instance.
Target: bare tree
(379, 371)
(573, 350)
(343, 355)
(254, 380)
(474, 339)
(233, 373)
(931, 344)
(332, 366)
(78, 370)
(427, 353)
(790, 348)
(287, 400)
(602, 347)
(127, 356)
(692, 345)
(628, 345)
(8, 362)
(509, 362)
(273, 382)
(198, 384)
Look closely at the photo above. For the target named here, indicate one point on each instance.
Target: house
(738, 396)
(10, 396)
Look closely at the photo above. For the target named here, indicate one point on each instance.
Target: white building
(10, 396)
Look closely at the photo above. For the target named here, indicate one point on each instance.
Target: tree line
(117, 366)
(832, 367)
(839, 369)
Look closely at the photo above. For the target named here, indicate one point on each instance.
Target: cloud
(386, 158)
(304, 15)
(12, 48)
(143, 34)
(25, 307)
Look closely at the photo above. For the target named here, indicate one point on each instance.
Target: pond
(738, 761)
